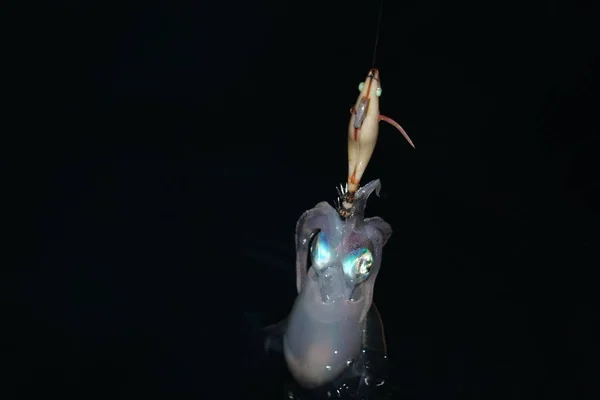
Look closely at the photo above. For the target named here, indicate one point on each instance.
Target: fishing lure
(363, 129)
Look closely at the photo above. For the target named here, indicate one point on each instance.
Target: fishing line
(377, 32)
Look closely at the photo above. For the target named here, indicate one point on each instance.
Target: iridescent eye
(320, 251)
(357, 265)
(378, 91)
(361, 86)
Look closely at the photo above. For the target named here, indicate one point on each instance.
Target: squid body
(333, 321)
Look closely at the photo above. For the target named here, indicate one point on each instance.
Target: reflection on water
(267, 375)
(363, 380)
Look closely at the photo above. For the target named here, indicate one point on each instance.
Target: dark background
(180, 143)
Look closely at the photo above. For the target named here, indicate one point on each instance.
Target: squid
(334, 333)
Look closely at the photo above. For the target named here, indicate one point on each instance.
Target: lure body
(363, 128)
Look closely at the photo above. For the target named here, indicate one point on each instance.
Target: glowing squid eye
(357, 265)
(361, 86)
(320, 251)
(378, 91)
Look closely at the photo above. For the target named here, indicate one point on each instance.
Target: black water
(155, 203)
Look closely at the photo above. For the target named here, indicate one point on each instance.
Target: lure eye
(320, 251)
(357, 265)
(362, 85)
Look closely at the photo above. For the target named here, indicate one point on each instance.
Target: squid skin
(326, 331)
